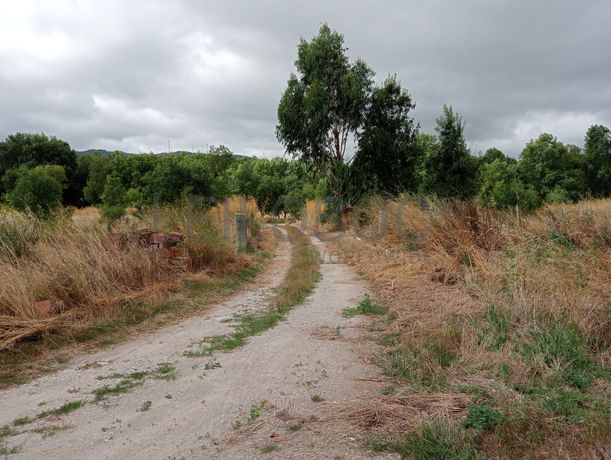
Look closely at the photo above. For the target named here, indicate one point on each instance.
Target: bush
(36, 191)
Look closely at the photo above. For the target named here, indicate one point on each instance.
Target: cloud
(135, 75)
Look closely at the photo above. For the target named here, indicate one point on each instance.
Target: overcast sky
(133, 75)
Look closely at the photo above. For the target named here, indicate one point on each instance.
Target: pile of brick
(170, 246)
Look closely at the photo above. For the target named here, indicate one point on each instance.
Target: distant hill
(104, 152)
(101, 152)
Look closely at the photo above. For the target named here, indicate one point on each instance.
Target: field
(499, 329)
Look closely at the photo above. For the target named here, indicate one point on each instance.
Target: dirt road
(276, 397)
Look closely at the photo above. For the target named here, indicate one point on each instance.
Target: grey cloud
(133, 75)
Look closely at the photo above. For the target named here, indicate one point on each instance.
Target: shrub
(36, 191)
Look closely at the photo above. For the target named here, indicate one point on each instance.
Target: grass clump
(146, 405)
(127, 382)
(63, 410)
(482, 417)
(437, 440)
(365, 307)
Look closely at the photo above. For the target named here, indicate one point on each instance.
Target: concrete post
(241, 227)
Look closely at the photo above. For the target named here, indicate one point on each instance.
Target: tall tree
(597, 152)
(324, 104)
(388, 154)
(449, 168)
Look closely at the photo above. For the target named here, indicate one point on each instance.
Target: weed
(236, 425)
(22, 421)
(63, 410)
(123, 386)
(317, 398)
(165, 371)
(146, 405)
(5, 430)
(255, 413)
(269, 447)
(365, 307)
(482, 417)
(437, 440)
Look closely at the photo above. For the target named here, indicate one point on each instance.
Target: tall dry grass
(510, 309)
(71, 262)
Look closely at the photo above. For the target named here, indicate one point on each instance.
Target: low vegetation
(498, 328)
(95, 290)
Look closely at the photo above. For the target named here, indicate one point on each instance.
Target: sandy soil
(253, 402)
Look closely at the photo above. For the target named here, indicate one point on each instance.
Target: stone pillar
(241, 227)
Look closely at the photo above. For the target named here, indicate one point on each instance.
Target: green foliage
(555, 170)
(437, 440)
(324, 105)
(62, 410)
(114, 199)
(482, 417)
(597, 155)
(501, 186)
(326, 102)
(450, 171)
(561, 347)
(31, 150)
(36, 191)
(388, 155)
(365, 307)
(96, 167)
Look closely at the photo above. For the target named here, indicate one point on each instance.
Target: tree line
(330, 100)
(329, 104)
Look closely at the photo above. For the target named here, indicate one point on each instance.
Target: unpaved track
(195, 415)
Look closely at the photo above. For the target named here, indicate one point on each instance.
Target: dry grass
(519, 321)
(312, 212)
(70, 261)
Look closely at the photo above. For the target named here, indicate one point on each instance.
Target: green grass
(482, 417)
(495, 330)
(423, 365)
(5, 430)
(317, 398)
(127, 382)
(366, 307)
(22, 421)
(62, 410)
(300, 280)
(437, 440)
